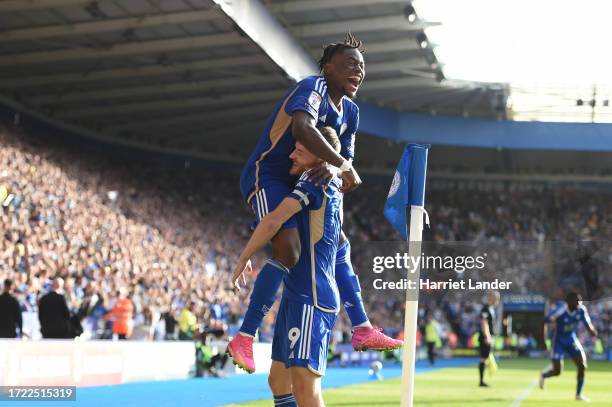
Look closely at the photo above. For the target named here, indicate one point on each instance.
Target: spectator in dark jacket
(53, 313)
(170, 323)
(10, 313)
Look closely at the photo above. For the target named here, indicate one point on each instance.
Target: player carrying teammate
(311, 300)
(316, 101)
(566, 319)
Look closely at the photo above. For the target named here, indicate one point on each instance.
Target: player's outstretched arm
(587, 321)
(304, 130)
(264, 232)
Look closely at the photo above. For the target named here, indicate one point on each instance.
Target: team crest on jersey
(314, 100)
(394, 184)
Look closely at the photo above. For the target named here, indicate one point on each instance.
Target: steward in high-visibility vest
(187, 322)
(432, 338)
(122, 315)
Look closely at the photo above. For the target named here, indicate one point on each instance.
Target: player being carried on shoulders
(311, 300)
(566, 318)
(316, 101)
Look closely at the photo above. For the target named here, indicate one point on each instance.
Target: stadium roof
(402, 70)
(173, 73)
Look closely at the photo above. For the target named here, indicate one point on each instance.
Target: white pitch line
(524, 394)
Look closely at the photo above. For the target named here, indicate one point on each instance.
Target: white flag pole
(412, 307)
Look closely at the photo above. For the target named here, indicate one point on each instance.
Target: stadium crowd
(105, 226)
(167, 236)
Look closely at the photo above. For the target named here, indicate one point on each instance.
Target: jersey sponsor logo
(314, 100)
(394, 184)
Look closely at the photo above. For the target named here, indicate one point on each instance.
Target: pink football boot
(241, 350)
(372, 338)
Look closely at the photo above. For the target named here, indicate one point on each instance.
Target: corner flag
(408, 188)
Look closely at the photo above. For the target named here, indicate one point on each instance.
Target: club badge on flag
(407, 187)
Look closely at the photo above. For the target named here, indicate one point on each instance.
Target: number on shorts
(294, 335)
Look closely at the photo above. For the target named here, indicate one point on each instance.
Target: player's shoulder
(305, 182)
(582, 309)
(305, 176)
(559, 310)
(332, 189)
(315, 82)
(350, 105)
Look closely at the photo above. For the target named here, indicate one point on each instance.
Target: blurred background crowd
(143, 251)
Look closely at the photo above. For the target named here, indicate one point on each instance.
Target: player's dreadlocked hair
(350, 42)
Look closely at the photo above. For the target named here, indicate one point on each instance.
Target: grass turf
(516, 379)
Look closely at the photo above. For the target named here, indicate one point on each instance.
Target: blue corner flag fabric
(408, 186)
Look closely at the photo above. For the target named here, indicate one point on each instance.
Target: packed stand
(165, 237)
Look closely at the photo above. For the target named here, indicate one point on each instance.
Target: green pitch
(514, 385)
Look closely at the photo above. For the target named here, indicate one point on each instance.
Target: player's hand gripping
(241, 267)
(351, 180)
(322, 174)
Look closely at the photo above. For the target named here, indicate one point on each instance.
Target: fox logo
(265, 309)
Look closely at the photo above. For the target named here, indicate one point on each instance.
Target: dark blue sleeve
(484, 313)
(305, 98)
(307, 194)
(347, 140)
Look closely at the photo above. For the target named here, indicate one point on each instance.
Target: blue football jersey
(345, 121)
(312, 280)
(270, 161)
(566, 322)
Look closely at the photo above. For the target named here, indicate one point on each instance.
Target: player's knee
(293, 256)
(301, 393)
(286, 247)
(307, 398)
(279, 384)
(288, 259)
(304, 389)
